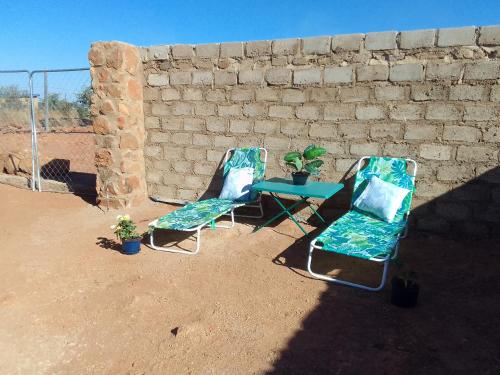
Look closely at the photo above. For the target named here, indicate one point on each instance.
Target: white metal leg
(343, 282)
(259, 206)
(174, 250)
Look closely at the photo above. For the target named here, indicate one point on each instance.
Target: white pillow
(237, 184)
(381, 198)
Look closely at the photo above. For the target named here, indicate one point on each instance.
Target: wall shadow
(455, 327)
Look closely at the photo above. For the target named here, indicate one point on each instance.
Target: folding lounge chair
(362, 235)
(195, 216)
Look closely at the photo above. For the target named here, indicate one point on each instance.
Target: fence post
(35, 167)
(46, 96)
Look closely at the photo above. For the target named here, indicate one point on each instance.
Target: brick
(362, 149)
(182, 138)
(468, 92)
(241, 95)
(417, 39)
(492, 134)
(437, 71)
(192, 94)
(316, 46)
(215, 96)
(482, 70)
(182, 109)
(158, 52)
(322, 94)
(339, 74)
(307, 76)
(477, 153)
(489, 36)
(275, 143)
(205, 78)
(180, 78)
(194, 124)
(353, 130)
(266, 126)
(207, 51)
(349, 42)
(478, 112)
(168, 123)
(234, 49)
(337, 112)
(428, 92)
(229, 110)
(421, 132)
(381, 40)
(160, 109)
(155, 79)
(251, 77)
(385, 130)
(159, 137)
(457, 173)
(215, 124)
(267, 94)
(396, 149)
(215, 156)
(464, 36)
(204, 109)
(254, 109)
(389, 93)
(187, 194)
(170, 94)
(322, 131)
(406, 72)
(151, 93)
(443, 112)
(370, 112)
(183, 166)
(182, 51)
(205, 168)
(354, 94)
(278, 76)
(223, 78)
(293, 96)
(223, 141)
(285, 47)
(281, 111)
(372, 73)
(461, 133)
(240, 126)
(345, 165)
(258, 48)
(162, 165)
(294, 128)
(308, 112)
(452, 211)
(151, 122)
(495, 93)
(172, 152)
(435, 152)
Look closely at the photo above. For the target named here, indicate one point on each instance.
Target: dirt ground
(70, 304)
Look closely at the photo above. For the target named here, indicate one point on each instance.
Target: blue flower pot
(130, 247)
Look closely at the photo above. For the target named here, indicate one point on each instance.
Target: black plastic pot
(300, 178)
(130, 247)
(404, 295)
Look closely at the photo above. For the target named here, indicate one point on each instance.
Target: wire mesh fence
(52, 121)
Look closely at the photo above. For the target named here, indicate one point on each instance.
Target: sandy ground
(244, 305)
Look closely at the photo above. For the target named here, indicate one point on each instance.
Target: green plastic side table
(312, 189)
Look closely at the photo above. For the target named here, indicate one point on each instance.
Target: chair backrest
(393, 170)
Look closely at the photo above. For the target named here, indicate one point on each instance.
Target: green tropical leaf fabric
(247, 157)
(195, 214)
(359, 235)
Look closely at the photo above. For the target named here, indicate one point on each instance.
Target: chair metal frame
(385, 260)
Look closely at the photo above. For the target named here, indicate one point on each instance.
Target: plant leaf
(291, 156)
(298, 164)
(312, 152)
(292, 165)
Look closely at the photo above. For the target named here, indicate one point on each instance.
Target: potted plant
(125, 231)
(304, 163)
(405, 288)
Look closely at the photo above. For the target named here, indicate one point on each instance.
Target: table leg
(286, 211)
(313, 210)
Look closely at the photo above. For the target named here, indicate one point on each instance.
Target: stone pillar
(118, 121)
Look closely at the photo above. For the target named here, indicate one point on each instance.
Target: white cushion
(237, 184)
(381, 198)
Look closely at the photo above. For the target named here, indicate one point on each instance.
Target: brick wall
(432, 95)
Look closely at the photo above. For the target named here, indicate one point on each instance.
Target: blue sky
(57, 34)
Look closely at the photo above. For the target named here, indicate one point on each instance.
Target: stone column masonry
(118, 121)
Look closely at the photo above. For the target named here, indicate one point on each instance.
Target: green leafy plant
(306, 162)
(125, 229)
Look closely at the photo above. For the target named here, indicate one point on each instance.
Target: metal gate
(62, 140)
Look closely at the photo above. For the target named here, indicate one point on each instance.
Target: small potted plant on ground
(125, 231)
(405, 288)
(304, 163)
